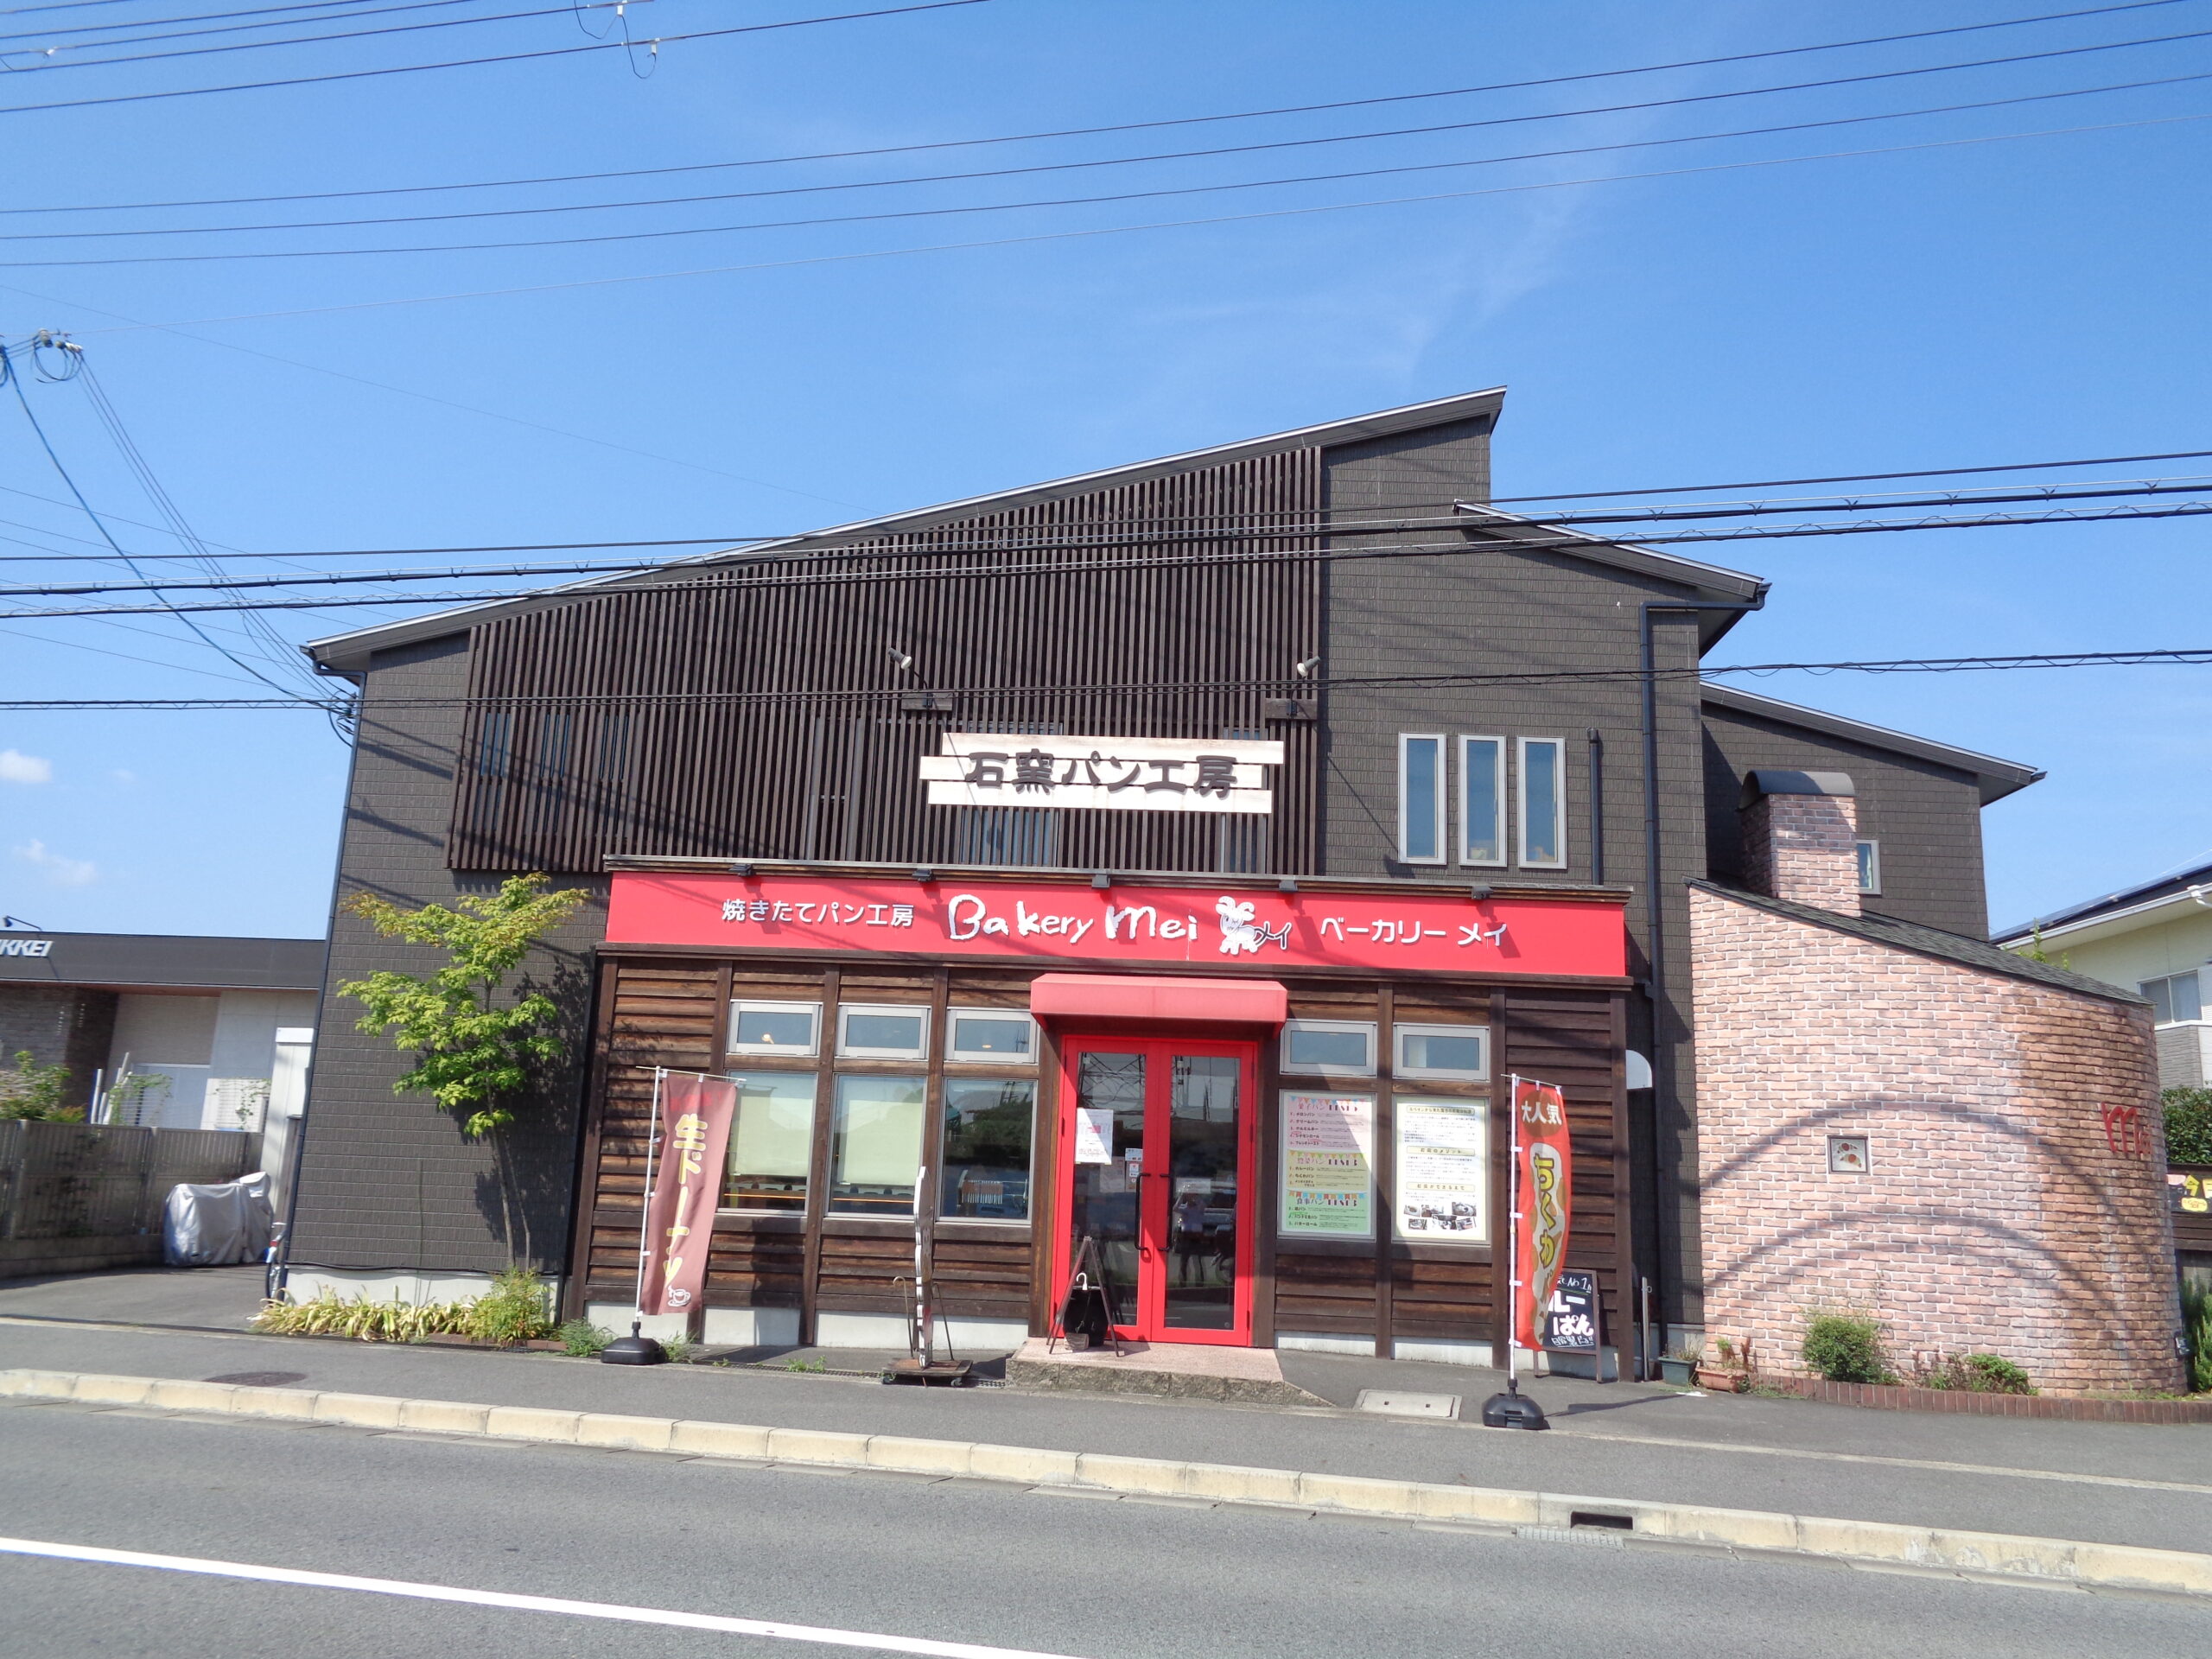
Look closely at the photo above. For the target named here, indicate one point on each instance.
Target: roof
(1960, 948)
(161, 961)
(349, 652)
(1996, 778)
(2154, 894)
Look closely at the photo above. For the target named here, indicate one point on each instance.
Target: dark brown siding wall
(758, 714)
(669, 1012)
(1928, 817)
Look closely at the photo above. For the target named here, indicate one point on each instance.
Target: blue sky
(1994, 301)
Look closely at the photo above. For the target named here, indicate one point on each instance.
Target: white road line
(2066, 1476)
(519, 1604)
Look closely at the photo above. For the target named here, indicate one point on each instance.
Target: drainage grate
(1392, 1402)
(1601, 1520)
(1602, 1537)
(259, 1379)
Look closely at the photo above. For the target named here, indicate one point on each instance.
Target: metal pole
(1512, 1228)
(644, 1215)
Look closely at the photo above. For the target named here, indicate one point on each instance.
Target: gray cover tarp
(215, 1226)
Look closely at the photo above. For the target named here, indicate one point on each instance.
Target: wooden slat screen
(581, 738)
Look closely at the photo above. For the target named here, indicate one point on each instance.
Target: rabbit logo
(1241, 933)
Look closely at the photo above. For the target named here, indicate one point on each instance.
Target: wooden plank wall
(649, 719)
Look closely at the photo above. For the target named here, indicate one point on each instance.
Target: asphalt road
(956, 1561)
(2114, 1483)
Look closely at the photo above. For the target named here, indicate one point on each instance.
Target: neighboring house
(2156, 938)
(838, 802)
(175, 1031)
(1910, 1123)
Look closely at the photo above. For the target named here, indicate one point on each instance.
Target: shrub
(2188, 1125)
(37, 1093)
(583, 1340)
(512, 1310)
(1978, 1374)
(331, 1315)
(1846, 1348)
(2196, 1330)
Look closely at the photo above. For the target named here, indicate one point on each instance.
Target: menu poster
(1443, 1170)
(1094, 1134)
(1328, 1166)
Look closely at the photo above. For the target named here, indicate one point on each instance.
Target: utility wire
(1038, 237)
(1109, 199)
(1493, 527)
(470, 63)
(2197, 656)
(1499, 543)
(1085, 132)
(324, 7)
(1194, 155)
(337, 11)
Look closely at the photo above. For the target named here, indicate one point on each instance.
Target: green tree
(474, 1056)
(40, 1093)
(2188, 1125)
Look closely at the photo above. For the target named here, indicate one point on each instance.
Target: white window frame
(847, 1050)
(1867, 855)
(813, 1010)
(952, 1019)
(2167, 980)
(1521, 803)
(1422, 1028)
(1497, 795)
(1443, 784)
(1364, 1028)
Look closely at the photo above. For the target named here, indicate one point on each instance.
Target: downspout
(1655, 934)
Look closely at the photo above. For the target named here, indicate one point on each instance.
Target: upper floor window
(1421, 798)
(1870, 866)
(2177, 997)
(1343, 1048)
(774, 1027)
(1482, 800)
(1543, 802)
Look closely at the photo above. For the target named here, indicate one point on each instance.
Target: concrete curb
(1995, 1555)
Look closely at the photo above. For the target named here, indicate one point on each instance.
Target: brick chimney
(1801, 834)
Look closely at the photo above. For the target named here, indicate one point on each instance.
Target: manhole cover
(1394, 1404)
(259, 1379)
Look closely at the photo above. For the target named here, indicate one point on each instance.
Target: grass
(513, 1310)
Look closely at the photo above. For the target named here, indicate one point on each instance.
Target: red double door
(1157, 1139)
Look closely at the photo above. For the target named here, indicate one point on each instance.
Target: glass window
(1343, 1047)
(1543, 802)
(985, 1175)
(2176, 998)
(897, 1033)
(875, 1146)
(1443, 1169)
(993, 1037)
(774, 1027)
(1482, 800)
(1869, 864)
(771, 1143)
(1443, 1051)
(1421, 799)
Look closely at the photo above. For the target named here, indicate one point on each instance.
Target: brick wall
(1803, 847)
(58, 1025)
(2002, 1212)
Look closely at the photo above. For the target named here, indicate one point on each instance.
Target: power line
(1086, 132)
(1151, 535)
(1501, 542)
(1111, 198)
(336, 10)
(1191, 155)
(1040, 236)
(470, 63)
(2192, 656)
(1858, 477)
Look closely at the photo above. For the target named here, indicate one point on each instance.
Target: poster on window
(1328, 1166)
(1443, 1170)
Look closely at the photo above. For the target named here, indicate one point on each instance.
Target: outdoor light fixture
(741, 870)
(905, 659)
(1479, 892)
(1307, 665)
(1101, 878)
(922, 872)
(1288, 884)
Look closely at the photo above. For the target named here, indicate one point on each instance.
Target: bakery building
(1178, 857)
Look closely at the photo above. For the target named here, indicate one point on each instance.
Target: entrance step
(1171, 1370)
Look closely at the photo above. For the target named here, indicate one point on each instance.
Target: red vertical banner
(687, 1191)
(1544, 1177)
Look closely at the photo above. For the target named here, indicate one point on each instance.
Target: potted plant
(1728, 1369)
(1678, 1364)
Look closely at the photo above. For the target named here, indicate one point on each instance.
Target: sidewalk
(2101, 1482)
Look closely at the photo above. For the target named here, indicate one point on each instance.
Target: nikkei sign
(1427, 931)
(1130, 774)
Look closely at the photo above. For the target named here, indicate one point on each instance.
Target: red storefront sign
(1431, 930)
